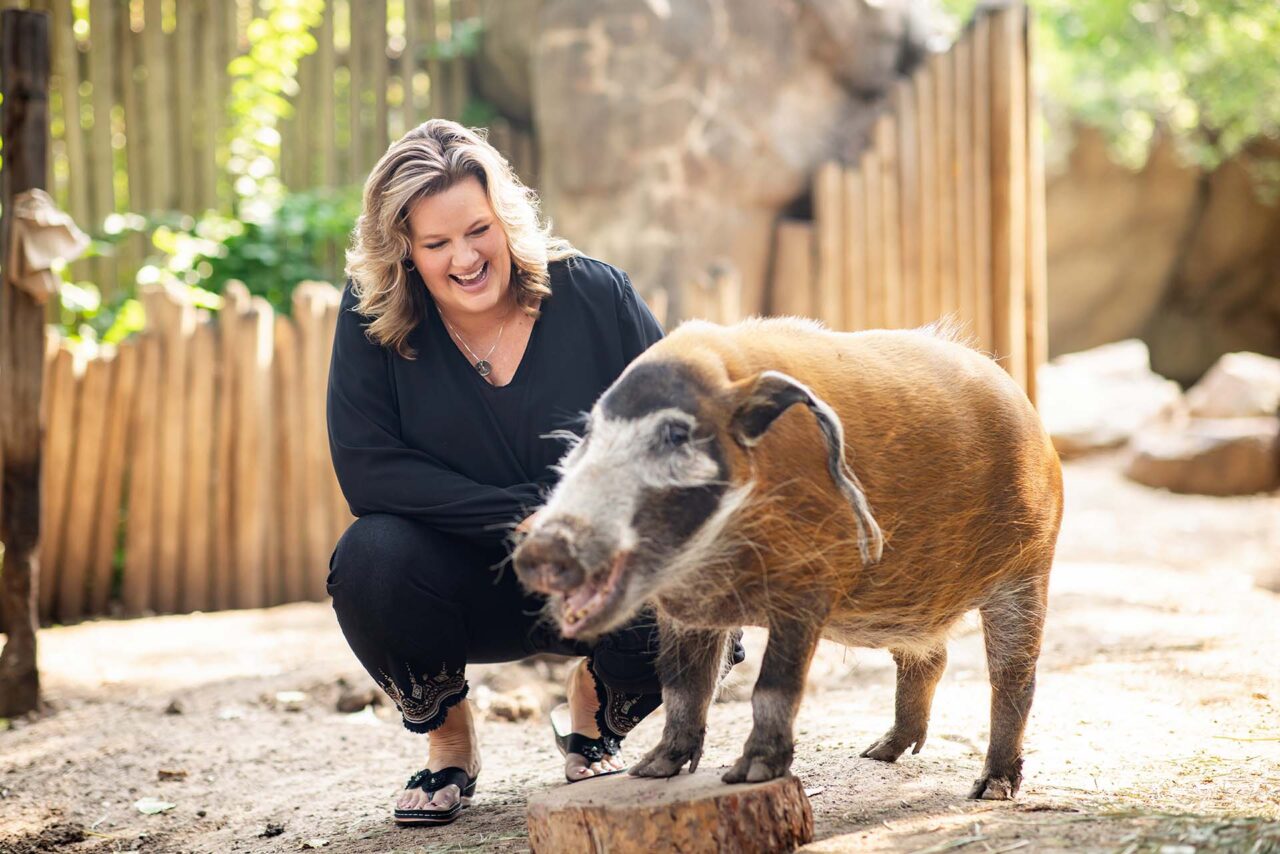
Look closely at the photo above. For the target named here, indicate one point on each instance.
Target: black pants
(418, 605)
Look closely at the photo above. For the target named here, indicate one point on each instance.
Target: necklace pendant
(483, 368)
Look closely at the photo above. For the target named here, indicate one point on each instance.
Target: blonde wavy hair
(430, 159)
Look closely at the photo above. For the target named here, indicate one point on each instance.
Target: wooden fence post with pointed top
(24, 127)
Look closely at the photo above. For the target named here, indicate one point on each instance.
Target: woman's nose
(464, 259)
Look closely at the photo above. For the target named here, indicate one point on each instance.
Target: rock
(670, 156)
(169, 775)
(1268, 577)
(519, 705)
(689, 812)
(290, 701)
(1239, 385)
(502, 72)
(354, 699)
(174, 707)
(1209, 456)
(1099, 398)
(272, 829)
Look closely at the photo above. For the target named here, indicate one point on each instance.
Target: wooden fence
(140, 103)
(943, 214)
(193, 456)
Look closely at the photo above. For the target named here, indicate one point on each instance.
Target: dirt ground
(1155, 727)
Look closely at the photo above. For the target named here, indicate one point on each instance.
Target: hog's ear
(772, 393)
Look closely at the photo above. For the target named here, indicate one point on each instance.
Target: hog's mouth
(591, 603)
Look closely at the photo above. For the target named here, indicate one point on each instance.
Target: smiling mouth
(472, 281)
(596, 596)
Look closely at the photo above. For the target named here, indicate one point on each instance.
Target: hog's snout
(547, 563)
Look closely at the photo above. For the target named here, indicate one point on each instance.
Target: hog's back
(954, 460)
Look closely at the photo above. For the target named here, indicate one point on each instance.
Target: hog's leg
(917, 678)
(776, 699)
(690, 664)
(1012, 627)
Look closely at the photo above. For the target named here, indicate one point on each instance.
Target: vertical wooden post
(356, 82)
(140, 534)
(230, 321)
(159, 142)
(102, 32)
(328, 112)
(1037, 273)
(981, 56)
(378, 58)
(909, 201)
(930, 298)
(886, 141)
(438, 107)
(793, 269)
(409, 66)
(874, 220)
(83, 481)
(252, 464)
(115, 451)
(200, 422)
(829, 226)
(60, 434)
(1009, 192)
(68, 70)
(855, 243)
(944, 149)
(184, 54)
(313, 362)
(24, 127)
(176, 325)
(962, 79)
(290, 566)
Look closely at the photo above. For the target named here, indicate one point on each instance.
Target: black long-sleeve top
(430, 439)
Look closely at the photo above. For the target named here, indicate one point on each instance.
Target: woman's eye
(675, 434)
(481, 230)
(434, 245)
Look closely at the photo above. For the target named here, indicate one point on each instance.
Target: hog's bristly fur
(869, 487)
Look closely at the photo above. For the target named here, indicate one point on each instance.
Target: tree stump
(688, 813)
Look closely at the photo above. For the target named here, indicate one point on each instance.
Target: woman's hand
(527, 522)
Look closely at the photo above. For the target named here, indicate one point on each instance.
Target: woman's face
(460, 249)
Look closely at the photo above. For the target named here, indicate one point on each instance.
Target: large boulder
(1239, 385)
(1100, 398)
(1209, 456)
(673, 133)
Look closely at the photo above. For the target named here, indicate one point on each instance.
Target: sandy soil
(1155, 726)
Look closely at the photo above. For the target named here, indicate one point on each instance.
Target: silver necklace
(482, 365)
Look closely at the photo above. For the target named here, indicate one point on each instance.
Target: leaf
(151, 806)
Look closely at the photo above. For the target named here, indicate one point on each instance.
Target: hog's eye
(675, 434)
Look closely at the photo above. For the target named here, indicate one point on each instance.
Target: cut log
(688, 813)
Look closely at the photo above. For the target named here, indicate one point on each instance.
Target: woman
(468, 334)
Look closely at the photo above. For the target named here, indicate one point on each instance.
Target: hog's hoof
(994, 789)
(756, 768)
(891, 745)
(668, 757)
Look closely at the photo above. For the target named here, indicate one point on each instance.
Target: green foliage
(263, 81)
(1204, 69)
(303, 238)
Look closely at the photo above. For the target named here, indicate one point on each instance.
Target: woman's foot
(453, 744)
(583, 704)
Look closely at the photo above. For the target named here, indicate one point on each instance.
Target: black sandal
(431, 783)
(590, 749)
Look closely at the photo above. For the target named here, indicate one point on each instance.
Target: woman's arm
(378, 473)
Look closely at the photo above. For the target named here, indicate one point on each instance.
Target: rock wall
(673, 133)
(1126, 259)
